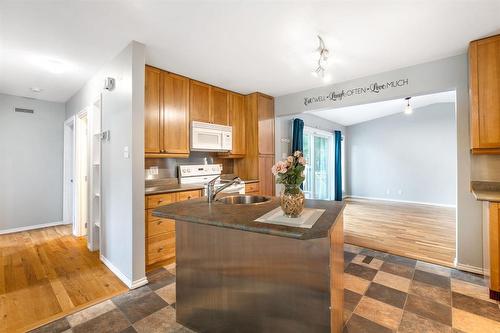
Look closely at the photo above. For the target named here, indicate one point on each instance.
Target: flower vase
(292, 200)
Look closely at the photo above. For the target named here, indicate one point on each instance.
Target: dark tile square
(429, 309)
(368, 259)
(351, 299)
(413, 323)
(386, 295)
(469, 277)
(358, 324)
(433, 279)
(172, 305)
(348, 256)
(401, 260)
(130, 329)
(396, 269)
(477, 306)
(361, 271)
(373, 253)
(139, 308)
(160, 278)
(111, 322)
(57, 326)
(131, 295)
(438, 294)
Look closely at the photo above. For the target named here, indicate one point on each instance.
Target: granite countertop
(242, 217)
(169, 188)
(486, 191)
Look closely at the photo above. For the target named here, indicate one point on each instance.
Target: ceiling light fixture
(50, 64)
(36, 89)
(322, 61)
(408, 108)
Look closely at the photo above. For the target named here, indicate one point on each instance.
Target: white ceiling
(240, 45)
(360, 113)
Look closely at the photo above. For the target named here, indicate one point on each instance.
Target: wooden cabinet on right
(494, 249)
(484, 91)
(267, 184)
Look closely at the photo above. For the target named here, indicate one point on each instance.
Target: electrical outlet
(153, 170)
(126, 153)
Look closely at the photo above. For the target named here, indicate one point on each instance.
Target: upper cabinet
(200, 94)
(484, 90)
(219, 107)
(265, 107)
(152, 110)
(166, 114)
(237, 121)
(175, 113)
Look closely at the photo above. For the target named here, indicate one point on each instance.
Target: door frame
(78, 227)
(69, 159)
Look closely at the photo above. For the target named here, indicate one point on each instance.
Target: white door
(69, 165)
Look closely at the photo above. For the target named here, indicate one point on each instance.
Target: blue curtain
(338, 166)
(297, 135)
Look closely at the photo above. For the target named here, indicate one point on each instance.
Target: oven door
(206, 139)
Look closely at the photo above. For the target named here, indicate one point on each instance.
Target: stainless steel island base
(237, 281)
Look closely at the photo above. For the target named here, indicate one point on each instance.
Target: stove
(203, 173)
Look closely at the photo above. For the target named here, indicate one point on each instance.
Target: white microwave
(211, 137)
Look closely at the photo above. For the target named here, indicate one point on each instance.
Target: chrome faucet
(212, 192)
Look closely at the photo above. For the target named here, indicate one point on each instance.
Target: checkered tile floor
(383, 293)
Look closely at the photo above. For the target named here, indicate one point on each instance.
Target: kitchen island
(238, 275)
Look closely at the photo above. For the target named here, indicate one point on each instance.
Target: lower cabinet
(266, 177)
(252, 188)
(160, 233)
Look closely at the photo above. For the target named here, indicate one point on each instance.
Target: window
(318, 151)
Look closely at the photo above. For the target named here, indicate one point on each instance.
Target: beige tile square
(471, 289)
(471, 323)
(375, 263)
(432, 292)
(381, 313)
(356, 284)
(167, 293)
(161, 321)
(90, 313)
(392, 281)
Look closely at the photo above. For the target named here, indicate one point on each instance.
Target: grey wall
(405, 157)
(442, 75)
(122, 235)
(31, 162)
(283, 130)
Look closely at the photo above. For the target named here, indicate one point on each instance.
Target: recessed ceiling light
(36, 89)
(50, 64)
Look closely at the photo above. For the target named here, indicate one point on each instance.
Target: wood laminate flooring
(46, 274)
(420, 232)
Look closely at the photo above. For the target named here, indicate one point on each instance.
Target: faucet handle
(213, 180)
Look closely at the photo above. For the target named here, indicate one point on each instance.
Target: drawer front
(187, 195)
(161, 247)
(252, 187)
(159, 226)
(157, 200)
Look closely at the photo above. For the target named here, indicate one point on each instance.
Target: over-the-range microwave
(211, 137)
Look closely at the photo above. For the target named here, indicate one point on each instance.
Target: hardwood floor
(421, 232)
(48, 273)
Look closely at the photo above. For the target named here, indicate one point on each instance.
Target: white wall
(437, 76)
(405, 157)
(122, 235)
(31, 163)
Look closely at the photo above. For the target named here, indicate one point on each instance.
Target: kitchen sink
(244, 199)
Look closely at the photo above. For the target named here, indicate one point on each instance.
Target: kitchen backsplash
(160, 168)
(485, 168)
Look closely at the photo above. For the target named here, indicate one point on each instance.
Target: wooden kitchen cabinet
(160, 233)
(166, 114)
(484, 91)
(494, 249)
(265, 107)
(237, 121)
(219, 107)
(200, 100)
(267, 182)
(152, 110)
(175, 114)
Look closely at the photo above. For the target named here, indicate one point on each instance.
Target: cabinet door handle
(159, 222)
(160, 249)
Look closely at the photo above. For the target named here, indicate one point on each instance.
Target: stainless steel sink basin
(244, 199)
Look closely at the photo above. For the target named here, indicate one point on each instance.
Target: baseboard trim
(31, 227)
(130, 284)
(469, 268)
(401, 201)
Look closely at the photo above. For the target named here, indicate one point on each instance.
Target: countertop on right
(486, 191)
